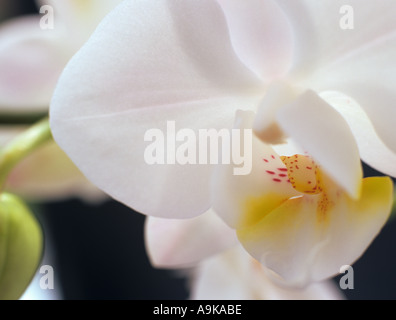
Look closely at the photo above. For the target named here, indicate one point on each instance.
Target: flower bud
(21, 244)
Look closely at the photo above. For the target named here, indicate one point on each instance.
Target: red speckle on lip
(282, 169)
(282, 175)
(276, 180)
(270, 172)
(309, 168)
(272, 156)
(265, 160)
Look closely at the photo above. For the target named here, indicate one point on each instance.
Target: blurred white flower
(31, 60)
(324, 89)
(223, 272)
(47, 174)
(176, 243)
(234, 275)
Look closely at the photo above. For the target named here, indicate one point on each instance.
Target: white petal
(318, 37)
(288, 149)
(31, 61)
(235, 275)
(371, 148)
(261, 35)
(172, 61)
(368, 76)
(268, 178)
(358, 62)
(326, 137)
(179, 243)
(302, 242)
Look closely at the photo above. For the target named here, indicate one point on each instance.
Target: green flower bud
(21, 244)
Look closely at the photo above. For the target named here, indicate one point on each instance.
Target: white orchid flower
(326, 90)
(234, 275)
(182, 243)
(224, 271)
(31, 60)
(292, 216)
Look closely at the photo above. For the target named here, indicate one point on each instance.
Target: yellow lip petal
(304, 240)
(257, 208)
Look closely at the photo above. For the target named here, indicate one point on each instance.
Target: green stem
(21, 146)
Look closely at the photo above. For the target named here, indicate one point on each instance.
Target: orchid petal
(372, 149)
(326, 137)
(358, 62)
(234, 275)
(174, 62)
(368, 76)
(30, 62)
(319, 38)
(302, 242)
(180, 243)
(288, 149)
(261, 35)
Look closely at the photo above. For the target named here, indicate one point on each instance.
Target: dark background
(99, 251)
(100, 254)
